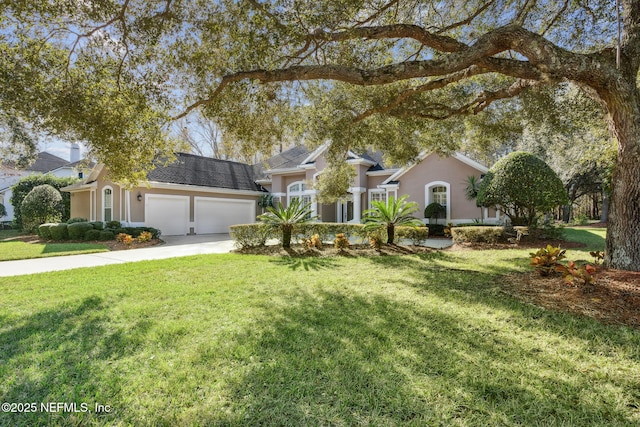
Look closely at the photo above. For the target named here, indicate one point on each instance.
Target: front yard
(14, 245)
(429, 339)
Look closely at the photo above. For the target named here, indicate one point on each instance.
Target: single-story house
(200, 195)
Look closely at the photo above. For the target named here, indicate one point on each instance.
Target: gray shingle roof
(190, 169)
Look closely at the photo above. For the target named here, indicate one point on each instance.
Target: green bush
(77, 230)
(3, 210)
(59, 231)
(478, 234)
(77, 219)
(106, 235)
(28, 183)
(97, 225)
(114, 224)
(250, 235)
(417, 235)
(437, 230)
(44, 230)
(523, 186)
(43, 204)
(92, 235)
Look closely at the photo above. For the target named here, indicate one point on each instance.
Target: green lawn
(253, 340)
(12, 250)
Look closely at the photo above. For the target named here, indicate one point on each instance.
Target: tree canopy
(402, 77)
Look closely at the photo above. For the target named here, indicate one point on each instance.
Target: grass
(252, 340)
(15, 249)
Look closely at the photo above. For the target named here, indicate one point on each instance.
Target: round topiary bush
(77, 230)
(42, 204)
(44, 230)
(92, 235)
(434, 210)
(59, 231)
(106, 235)
(523, 187)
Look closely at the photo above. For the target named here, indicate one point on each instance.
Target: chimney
(75, 153)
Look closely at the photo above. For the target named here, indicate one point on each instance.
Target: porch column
(314, 204)
(357, 203)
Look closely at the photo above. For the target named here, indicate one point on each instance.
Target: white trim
(375, 191)
(82, 187)
(360, 161)
(308, 166)
(382, 172)
(425, 154)
(264, 181)
(316, 153)
(279, 194)
(357, 189)
(300, 193)
(127, 198)
(199, 188)
(389, 186)
(168, 196)
(427, 195)
(285, 171)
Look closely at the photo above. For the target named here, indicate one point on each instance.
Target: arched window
(439, 192)
(297, 190)
(439, 195)
(107, 204)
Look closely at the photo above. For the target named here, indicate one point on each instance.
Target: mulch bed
(329, 251)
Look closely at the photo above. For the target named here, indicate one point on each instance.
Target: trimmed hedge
(77, 219)
(77, 230)
(44, 230)
(417, 235)
(477, 234)
(114, 224)
(97, 225)
(105, 235)
(59, 231)
(252, 235)
(92, 235)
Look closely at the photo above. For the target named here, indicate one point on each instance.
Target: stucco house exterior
(202, 195)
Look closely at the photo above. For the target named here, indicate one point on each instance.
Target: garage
(215, 215)
(169, 214)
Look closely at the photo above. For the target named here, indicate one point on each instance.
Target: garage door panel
(215, 215)
(169, 214)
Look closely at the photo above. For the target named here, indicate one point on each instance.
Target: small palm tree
(391, 214)
(471, 192)
(287, 218)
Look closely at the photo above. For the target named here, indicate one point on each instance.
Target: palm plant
(287, 218)
(391, 214)
(471, 192)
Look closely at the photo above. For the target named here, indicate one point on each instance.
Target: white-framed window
(439, 195)
(107, 204)
(297, 190)
(377, 196)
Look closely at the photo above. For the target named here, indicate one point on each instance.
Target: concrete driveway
(174, 246)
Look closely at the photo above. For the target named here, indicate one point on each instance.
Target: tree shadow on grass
(62, 355)
(305, 263)
(330, 358)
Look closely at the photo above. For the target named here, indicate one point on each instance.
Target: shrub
(97, 225)
(125, 238)
(547, 260)
(341, 242)
(93, 234)
(42, 204)
(105, 235)
(581, 219)
(476, 234)
(312, 242)
(285, 219)
(582, 274)
(434, 210)
(376, 240)
(436, 230)
(77, 230)
(523, 186)
(391, 214)
(59, 231)
(145, 236)
(114, 224)
(28, 183)
(44, 230)
(417, 235)
(598, 256)
(77, 219)
(250, 235)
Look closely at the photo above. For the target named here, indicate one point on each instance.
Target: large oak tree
(401, 76)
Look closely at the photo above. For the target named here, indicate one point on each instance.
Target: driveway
(174, 246)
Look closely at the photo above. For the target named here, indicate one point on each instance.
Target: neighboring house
(45, 163)
(202, 195)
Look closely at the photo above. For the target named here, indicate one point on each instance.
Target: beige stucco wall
(438, 169)
(80, 207)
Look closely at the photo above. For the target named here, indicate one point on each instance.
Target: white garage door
(214, 215)
(170, 214)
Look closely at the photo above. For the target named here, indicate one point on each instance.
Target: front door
(345, 211)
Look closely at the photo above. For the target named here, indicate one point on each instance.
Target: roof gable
(458, 156)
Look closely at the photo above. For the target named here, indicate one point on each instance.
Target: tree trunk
(390, 234)
(623, 224)
(605, 208)
(286, 235)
